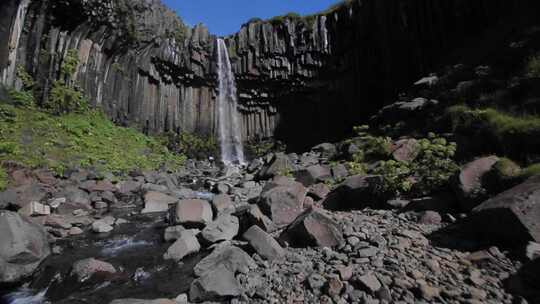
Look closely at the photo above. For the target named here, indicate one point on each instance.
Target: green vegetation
(70, 63)
(503, 175)
(530, 171)
(260, 148)
(3, 179)
(192, 145)
(39, 139)
(514, 135)
(532, 68)
(64, 99)
(429, 171)
(281, 19)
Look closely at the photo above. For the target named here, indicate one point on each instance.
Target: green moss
(514, 135)
(65, 99)
(192, 145)
(3, 179)
(70, 63)
(38, 139)
(532, 68)
(503, 175)
(530, 171)
(281, 19)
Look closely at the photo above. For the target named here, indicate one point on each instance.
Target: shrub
(69, 64)
(192, 145)
(396, 178)
(258, 148)
(64, 99)
(532, 68)
(22, 98)
(27, 80)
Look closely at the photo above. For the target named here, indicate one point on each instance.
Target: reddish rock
(405, 150)
(313, 174)
(313, 228)
(85, 269)
(319, 191)
(193, 212)
(45, 177)
(430, 218)
(468, 184)
(221, 202)
(283, 202)
(263, 243)
(21, 177)
(157, 202)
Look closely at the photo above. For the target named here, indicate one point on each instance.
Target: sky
(224, 17)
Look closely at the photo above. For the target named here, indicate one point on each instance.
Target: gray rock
(232, 257)
(185, 245)
(327, 150)
(279, 165)
(157, 202)
(175, 232)
(139, 301)
(339, 172)
(23, 246)
(221, 203)
(283, 201)
(468, 184)
(264, 244)
(195, 212)
(218, 284)
(368, 282)
(313, 174)
(85, 269)
(356, 192)
(224, 228)
(313, 229)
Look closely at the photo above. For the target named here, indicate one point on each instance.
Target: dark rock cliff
(302, 79)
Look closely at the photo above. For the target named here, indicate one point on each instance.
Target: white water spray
(230, 132)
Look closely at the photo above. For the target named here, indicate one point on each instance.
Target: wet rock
(23, 245)
(264, 244)
(218, 284)
(313, 229)
(157, 202)
(224, 228)
(185, 245)
(312, 175)
(231, 257)
(193, 213)
(283, 201)
(468, 184)
(221, 203)
(85, 269)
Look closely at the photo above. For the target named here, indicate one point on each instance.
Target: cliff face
(303, 80)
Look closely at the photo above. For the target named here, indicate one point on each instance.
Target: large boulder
(218, 284)
(23, 246)
(313, 174)
(232, 257)
(157, 202)
(510, 218)
(327, 150)
(185, 245)
(279, 165)
(313, 229)
(468, 183)
(193, 212)
(283, 201)
(405, 149)
(263, 243)
(356, 192)
(224, 228)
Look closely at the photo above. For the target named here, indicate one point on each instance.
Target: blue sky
(225, 17)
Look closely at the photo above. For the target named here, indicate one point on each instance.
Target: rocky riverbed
(243, 235)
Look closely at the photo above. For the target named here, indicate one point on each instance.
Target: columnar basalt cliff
(302, 79)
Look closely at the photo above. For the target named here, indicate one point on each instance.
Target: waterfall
(324, 33)
(230, 132)
(8, 74)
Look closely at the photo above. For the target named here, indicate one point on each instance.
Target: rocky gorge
(410, 176)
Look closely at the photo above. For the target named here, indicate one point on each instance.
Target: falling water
(230, 133)
(324, 33)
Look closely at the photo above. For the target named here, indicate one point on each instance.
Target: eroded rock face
(23, 246)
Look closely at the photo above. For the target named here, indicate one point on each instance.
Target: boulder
(468, 184)
(194, 212)
(356, 192)
(339, 172)
(510, 218)
(221, 203)
(175, 232)
(405, 150)
(313, 228)
(263, 243)
(35, 209)
(232, 257)
(283, 201)
(224, 228)
(157, 202)
(327, 150)
(279, 165)
(129, 187)
(85, 269)
(319, 191)
(254, 216)
(185, 245)
(218, 284)
(313, 174)
(23, 246)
